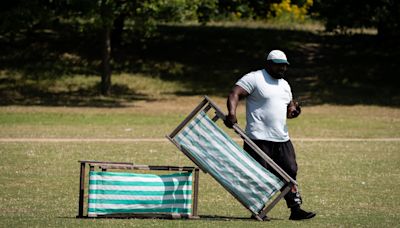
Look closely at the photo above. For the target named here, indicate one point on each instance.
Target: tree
(384, 15)
(23, 16)
(107, 21)
(106, 17)
(110, 15)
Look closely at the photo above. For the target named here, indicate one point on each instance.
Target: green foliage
(261, 10)
(207, 10)
(286, 11)
(61, 69)
(241, 9)
(42, 39)
(26, 16)
(343, 15)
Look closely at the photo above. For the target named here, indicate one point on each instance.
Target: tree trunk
(116, 33)
(107, 18)
(105, 62)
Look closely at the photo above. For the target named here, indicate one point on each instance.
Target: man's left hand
(293, 110)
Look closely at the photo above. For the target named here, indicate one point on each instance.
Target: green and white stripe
(114, 192)
(224, 159)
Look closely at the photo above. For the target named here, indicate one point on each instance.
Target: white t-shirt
(266, 106)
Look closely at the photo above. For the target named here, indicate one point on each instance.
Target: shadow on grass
(325, 69)
(231, 218)
(28, 94)
(201, 218)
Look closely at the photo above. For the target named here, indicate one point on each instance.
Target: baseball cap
(277, 56)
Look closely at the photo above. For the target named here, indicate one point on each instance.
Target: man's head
(277, 64)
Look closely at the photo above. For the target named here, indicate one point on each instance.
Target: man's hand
(293, 110)
(230, 120)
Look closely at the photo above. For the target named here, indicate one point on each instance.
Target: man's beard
(278, 75)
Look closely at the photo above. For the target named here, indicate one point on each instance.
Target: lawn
(348, 183)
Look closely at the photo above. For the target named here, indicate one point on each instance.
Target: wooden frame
(104, 166)
(206, 105)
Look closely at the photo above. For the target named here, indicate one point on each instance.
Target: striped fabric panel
(114, 192)
(233, 167)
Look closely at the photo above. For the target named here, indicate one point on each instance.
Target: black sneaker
(299, 214)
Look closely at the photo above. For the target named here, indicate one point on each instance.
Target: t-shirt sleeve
(247, 82)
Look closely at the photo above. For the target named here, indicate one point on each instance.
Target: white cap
(277, 56)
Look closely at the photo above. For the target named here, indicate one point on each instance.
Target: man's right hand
(230, 120)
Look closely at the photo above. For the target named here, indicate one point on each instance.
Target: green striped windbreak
(228, 163)
(115, 192)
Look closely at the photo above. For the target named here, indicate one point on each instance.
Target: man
(268, 104)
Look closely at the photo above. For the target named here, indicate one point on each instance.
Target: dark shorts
(283, 154)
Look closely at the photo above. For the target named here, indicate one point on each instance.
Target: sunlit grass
(347, 184)
(154, 119)
(153, 87)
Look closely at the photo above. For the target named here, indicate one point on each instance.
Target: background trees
(104, 22)
(384, 15)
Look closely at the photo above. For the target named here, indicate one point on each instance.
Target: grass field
(348, 183)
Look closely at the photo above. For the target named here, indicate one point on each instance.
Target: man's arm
(232, 103)
(293, 110)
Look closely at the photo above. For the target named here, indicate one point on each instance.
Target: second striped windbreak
(118, 193)
(228, 163)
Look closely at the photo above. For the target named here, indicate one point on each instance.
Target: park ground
(348, 156)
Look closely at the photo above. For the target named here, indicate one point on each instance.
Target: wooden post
(195, 193)
(81, 190)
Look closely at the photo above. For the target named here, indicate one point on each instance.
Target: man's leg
(286, 159)
(293, 198)
(284, 156)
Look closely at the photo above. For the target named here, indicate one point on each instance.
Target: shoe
(299, 214)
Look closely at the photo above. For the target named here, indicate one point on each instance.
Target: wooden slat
(81, 190)
(105, 162)
(149, 167)
(188, 118)
(195, 192)
(148, 215)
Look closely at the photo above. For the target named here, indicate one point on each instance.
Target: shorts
(283, 154)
